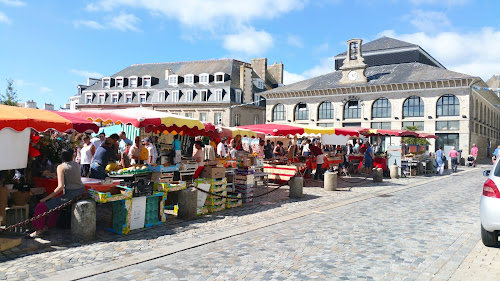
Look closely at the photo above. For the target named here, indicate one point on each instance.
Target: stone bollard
(83, 220)
(378, 175)
(296, 187)
(188, 200)
(394, 171)
(330, 183)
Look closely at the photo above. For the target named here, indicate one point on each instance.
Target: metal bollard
(83, 220)
(188, 199)
(296, 187)
(330, 181)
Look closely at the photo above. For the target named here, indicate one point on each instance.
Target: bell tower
(354, 67)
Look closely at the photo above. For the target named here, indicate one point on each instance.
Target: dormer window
(204, 78)
(175, 96)
(189, 79)
(204, 95)
(142, 97)
(173, 80)
(146, 81)
(259, 83)
(219, 77)
(128, 97)
(189, 95)
(106, 82)
(115, 98)
(133, 81)
(218, 95)
(238, 96)
(102, 98)
(119, 82)
(88, 98)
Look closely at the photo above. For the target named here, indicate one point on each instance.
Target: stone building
(224, 92)
(391, 84)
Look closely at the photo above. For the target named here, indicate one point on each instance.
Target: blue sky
(49, 47)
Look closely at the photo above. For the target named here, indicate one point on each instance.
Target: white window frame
(259, 83)
(217, 74)
(218, 95)
(119, 81)
(127, 97)
(173, 80)
(146, 81)
(113, 97)
(256, 119)
(102, 98)
(237, 119)
(188, 114)
(204, 76)
(256, 99)
(161, 96)
(186, 80)
(88, 98)
(238, 96)
(108, 79)
(206, 95)
(203, 114)
(217, 118)
(143, 95)
(189, 95)
(175, 96)
(134, 81)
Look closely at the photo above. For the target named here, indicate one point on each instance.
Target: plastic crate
(121, 216)
(115, 193)
(154, 209)
(161, 168)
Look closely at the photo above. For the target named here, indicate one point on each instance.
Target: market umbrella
(143, 118)
(298, 129)
(235, 131)
(427, 136)
(20, 118)
(387, 132)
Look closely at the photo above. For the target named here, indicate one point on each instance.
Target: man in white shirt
(221, 149)
(152, 156)
(123, 142)
(97, 141)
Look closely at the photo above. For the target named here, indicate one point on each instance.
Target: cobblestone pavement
(419, 232)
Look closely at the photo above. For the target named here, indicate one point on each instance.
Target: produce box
(212, 172)
(154, 209)
(156, 176)
(202, 211)
(121, 216)
(236, 201)
(188, 166)
(221, 181)
(214, 200)
(230, 163)
(216, 208)
(161, 168)
(114, 193)
(169, 187)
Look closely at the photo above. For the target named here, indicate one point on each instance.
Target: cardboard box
(213, 172)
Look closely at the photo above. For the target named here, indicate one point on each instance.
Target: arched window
(279, 112)
(301, 111)
(352, 109)
(325, 110)
(448, 105)
(381, 108)
(413, 107)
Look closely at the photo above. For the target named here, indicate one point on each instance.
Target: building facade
(224, 92)
(392, 84)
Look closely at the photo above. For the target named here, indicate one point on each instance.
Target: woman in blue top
(439, 160)
(177, 149)
(368, 159)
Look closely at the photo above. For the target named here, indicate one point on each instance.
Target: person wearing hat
(151, 151)
(101, 159)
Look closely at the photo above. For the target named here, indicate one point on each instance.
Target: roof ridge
(193, 61)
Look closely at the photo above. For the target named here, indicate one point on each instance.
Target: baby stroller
(470, 161)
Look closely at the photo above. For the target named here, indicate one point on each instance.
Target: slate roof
(230, 67)
(382, 43)
(377, 75)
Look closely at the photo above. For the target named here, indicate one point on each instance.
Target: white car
(489, 207)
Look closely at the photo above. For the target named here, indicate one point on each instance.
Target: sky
(50, 47)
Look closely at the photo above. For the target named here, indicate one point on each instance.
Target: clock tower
(354, 67)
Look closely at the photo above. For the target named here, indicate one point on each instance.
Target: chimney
(30, 104)
(276, 71)
(48, 106)
(260, 67)
(168, 72)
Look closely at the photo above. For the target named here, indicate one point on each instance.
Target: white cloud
(325, 66)
(290, 78)
(442, 2)
(4, 18)
(474, 53)
(429, 21)
(16, 3)
(207, 14)
(321, 48)
(248, 41)
(45, 90)
(295, 41)
(88, 23)
(86, 74)
(23, 83)
(125, 22)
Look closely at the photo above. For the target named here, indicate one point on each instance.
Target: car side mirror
(486, 173)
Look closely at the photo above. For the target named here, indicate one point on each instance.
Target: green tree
(10, 97)
(415, 141)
